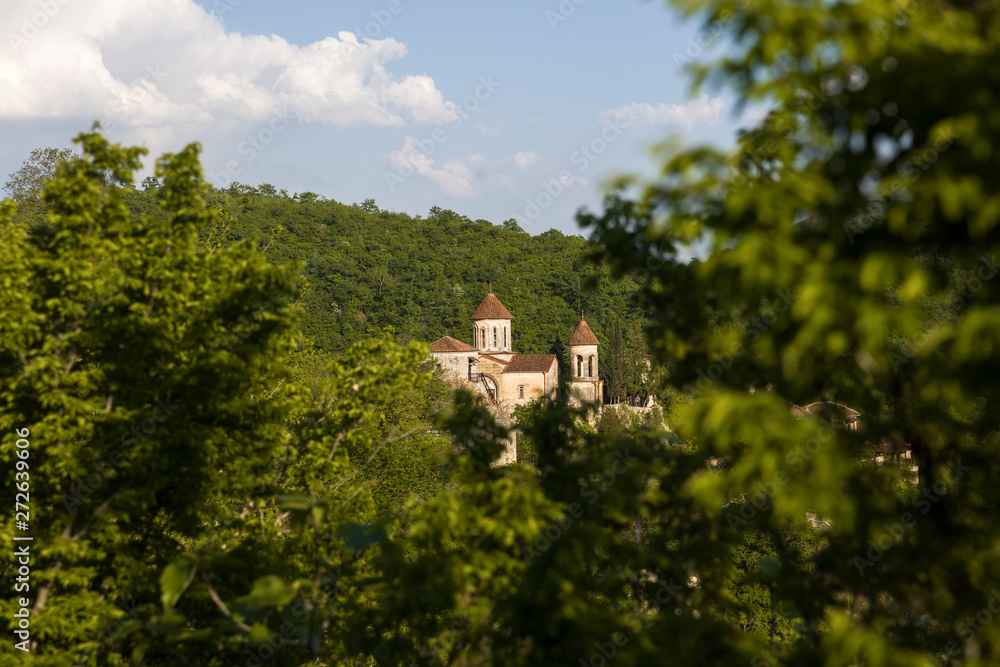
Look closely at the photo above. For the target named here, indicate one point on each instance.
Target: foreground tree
(202, 490)
(864, 202)
(130, 354)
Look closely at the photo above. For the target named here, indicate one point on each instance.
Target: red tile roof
(583, 335)
(530, 363)
(491, 309)
(449, 344)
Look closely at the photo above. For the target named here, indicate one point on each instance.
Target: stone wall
(455, 364)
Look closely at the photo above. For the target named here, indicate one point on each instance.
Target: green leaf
(292, 503)
(267, 593)
(174, 581)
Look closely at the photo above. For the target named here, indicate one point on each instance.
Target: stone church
(507, 379)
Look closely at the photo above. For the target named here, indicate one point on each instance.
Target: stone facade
(506, 379)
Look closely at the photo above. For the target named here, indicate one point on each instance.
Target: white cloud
(568, 180)
(524, 160)
(701, 111)
(754, 114)
(455, 177)
(488, 131)
(149, 62)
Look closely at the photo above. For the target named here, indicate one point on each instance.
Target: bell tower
(491, 332)
(585, 384)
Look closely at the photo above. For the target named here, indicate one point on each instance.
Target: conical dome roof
(583, 335)
(491, 309)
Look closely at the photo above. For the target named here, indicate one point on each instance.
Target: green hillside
(423, 276)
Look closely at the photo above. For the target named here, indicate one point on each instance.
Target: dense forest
(365, 271)
(369, 269)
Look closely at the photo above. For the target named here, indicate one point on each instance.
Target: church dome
(491, 309)
(583, 335)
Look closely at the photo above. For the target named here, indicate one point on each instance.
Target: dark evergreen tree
(614, 370)
(559, 349)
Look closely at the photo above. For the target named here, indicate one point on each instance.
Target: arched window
(494, 336)
(505, 338)
(475, 337)
(482, 341)
(579, 366)
(520, 391)
(590, 366)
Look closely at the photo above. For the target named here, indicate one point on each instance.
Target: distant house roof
(830, 411)
(829, 408)
(491, 309)
(583, 335)
(449, 344)
(530, 363)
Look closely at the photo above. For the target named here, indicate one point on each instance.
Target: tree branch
(222, 605)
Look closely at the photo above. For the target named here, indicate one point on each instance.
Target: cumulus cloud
(456, 177)
(524, 160)
(147, 63)
(701, 111)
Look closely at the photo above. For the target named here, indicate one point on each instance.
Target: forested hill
(423, 276)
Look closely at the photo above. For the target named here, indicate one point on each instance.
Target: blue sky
(495, 110)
